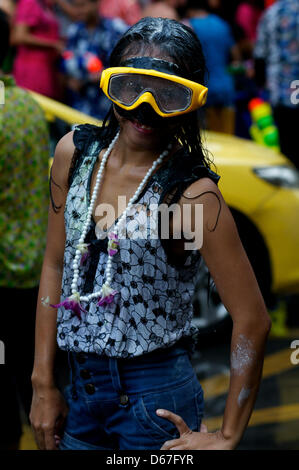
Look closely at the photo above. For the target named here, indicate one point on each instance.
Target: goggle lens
(170, 96)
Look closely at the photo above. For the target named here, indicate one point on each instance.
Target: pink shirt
(35, 67)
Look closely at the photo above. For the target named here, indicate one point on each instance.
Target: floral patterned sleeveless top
(153, 307)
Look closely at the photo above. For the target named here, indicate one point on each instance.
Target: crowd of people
(59, 47)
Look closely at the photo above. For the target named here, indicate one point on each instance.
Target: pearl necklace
(106, 293)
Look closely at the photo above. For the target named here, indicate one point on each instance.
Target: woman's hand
(190, 440)
(47, 416)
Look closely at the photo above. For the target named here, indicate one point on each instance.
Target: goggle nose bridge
(144, 97)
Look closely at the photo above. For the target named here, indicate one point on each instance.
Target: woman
(125, 310)
(36, 35)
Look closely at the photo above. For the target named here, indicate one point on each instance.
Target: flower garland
(106, 293)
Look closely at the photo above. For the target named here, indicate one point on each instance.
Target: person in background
(24, 154)
(277, 66)
(163, 9)
(95, 37)
(224, 9)
(66, 13)
(219, 50)
(247, 17)
(227, 11)
(36, 37)
(128, 10)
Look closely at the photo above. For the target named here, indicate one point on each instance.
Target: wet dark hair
(180, 45)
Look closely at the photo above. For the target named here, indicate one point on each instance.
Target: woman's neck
(128, 154)
(131, 155)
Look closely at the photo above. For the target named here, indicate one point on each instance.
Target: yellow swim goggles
(168, 94)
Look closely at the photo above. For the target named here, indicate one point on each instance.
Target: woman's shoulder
(87, 142)
(204, 185)
(70, 150)
(64, 151)
(63, 155)
(65, 146)
(205, 192)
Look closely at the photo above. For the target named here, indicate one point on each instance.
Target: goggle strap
(149, 63)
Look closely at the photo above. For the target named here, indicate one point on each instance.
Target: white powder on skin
(242, 356)
(45, 301)
(243, 395)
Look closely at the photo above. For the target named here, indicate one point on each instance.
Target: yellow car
(261, 187)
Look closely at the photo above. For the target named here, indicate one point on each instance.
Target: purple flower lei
(85, 251)
(72, 303)
(107, 295)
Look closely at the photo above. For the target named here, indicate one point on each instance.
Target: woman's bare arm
(234, 278)
(47, 404)
(237, 286)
